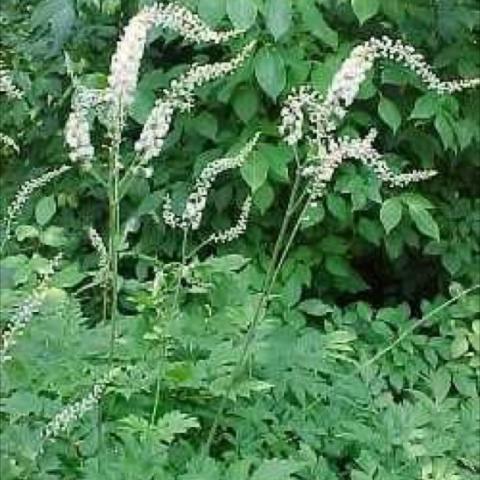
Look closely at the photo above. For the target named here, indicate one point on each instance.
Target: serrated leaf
(270, 72)
(278, 17)
(45, 210)
(391, 214)
(173, 424)
(424, 222)
(242, 13)
(276, 470)
(365, 9)
(390, 114)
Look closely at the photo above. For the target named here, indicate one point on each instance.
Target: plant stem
(266, 289)
(174, 308)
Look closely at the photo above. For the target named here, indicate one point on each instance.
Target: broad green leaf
(389, 113)
(315, 307)
(245, 103)
(53, 237)
(264, 197)
(142, 105)
(365, 9)
(391, 214)
(212, 11)
(206, 125)
(338, 266)
(276, 470)
(338, 207)
(459, 346)
(424, 221)
(314, 21)
(22, 232)
(172, 424)
(254, 171)
(45, 210)
(445, 129)
(278, 17)
(270, 72)
(440, 381)
(426, 106)
(242, 13)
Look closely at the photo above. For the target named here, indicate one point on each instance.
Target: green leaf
(45, 210)
(278, 17)
(142, 105)
(173, 424)
(459, 346)
(426, 107)
(365, 9)
(242, 13)
(444, 127)
(270, 72)
(53, 237)
(254, 171)
(424, 222)
(245, 103)
(206, 125)
(389, 113)
(276, 470)
(22, 232)
(212, 11)
(440, 381)
(391, 214)
(315, 307)
(264, 197)
(338, 207)
(314, 21)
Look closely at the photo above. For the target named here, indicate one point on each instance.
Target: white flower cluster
(9, 142)
(363, 150)
(179, 96)
(126, 61)
(238, 229)
(25, 192)
(292, 115)
(77, 410)
(77, 136)
(99, 246)
(197, 200)
(323, 116)
(22, 317)
(6, 84)
(406, 55)
(77, 128)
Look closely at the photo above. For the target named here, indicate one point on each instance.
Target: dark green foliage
(369, 262)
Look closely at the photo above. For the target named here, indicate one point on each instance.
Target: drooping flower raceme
(305, 113)
(126, 61)
(123, 79)
(232, 233)
(77, 410)
(197, 200)
(179, 97)
(24, 193)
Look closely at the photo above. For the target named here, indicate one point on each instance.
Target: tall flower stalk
(111, 107)
(309, 117)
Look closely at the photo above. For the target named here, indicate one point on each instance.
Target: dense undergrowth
(321, 323)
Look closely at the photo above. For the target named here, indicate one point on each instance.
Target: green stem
(174, 308)
(250, 334)
(408, 331)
